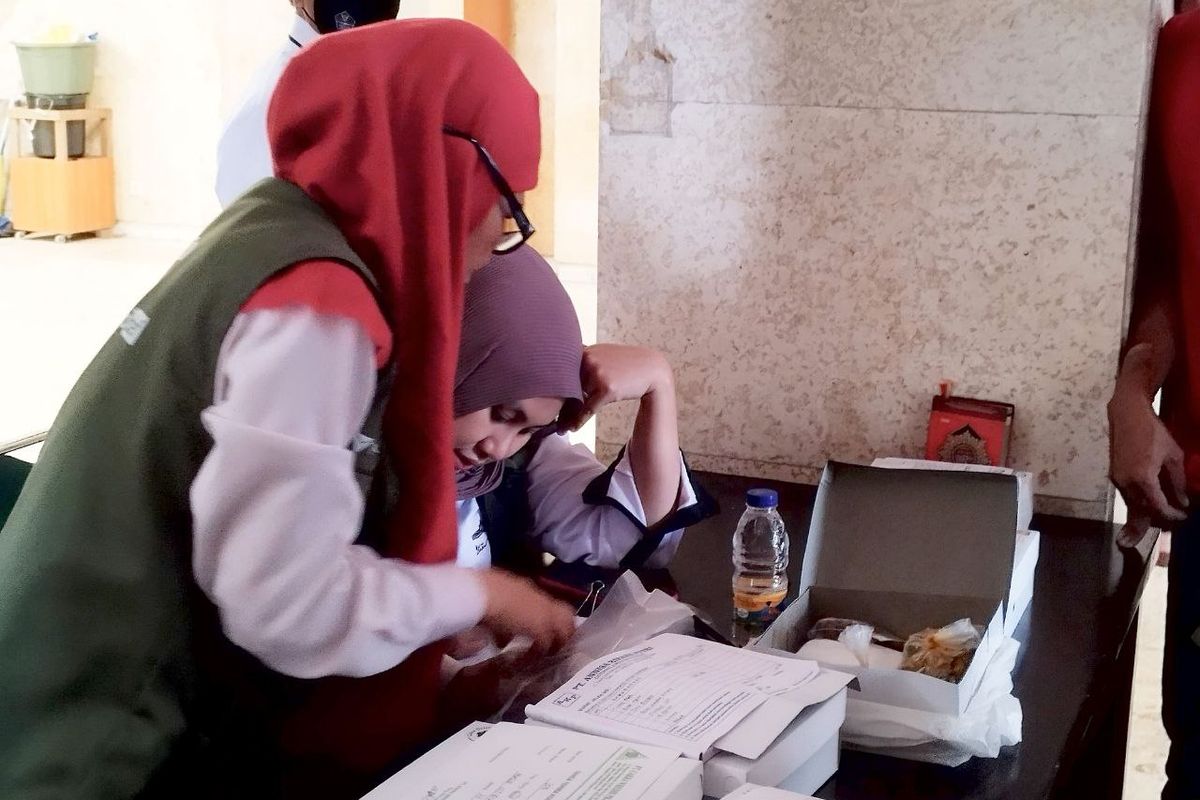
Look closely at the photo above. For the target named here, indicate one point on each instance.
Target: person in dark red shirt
(1155, 461)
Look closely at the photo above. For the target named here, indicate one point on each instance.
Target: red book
(968, 431)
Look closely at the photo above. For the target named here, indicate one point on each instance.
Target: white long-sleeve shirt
(243, 153)
(277, 507)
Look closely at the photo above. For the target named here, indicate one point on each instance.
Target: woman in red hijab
(400, 151)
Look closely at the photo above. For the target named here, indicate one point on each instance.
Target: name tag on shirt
(474, 549)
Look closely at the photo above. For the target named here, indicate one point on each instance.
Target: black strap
(292, 39)
(596, 494)
(507, 518)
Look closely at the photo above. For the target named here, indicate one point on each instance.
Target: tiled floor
(59, 302)
(1147, 752)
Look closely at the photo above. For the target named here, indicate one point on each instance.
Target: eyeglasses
(511, 239)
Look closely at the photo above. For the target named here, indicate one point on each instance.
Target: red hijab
(356, 122)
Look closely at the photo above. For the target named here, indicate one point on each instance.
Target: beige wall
(432, 8)
(535, 46)
(577, 132)
(557, 43)
(820, 209)
(172, 72)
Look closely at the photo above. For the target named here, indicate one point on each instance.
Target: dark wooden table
(1073, 677)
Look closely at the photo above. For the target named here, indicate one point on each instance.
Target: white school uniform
(243, 154)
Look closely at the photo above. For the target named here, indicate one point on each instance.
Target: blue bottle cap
(762, 498)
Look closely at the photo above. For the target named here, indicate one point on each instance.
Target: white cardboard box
(1020, 593)
(1025, 557)
(799, 743)
(752, 792)
(681, 782)
(681, 779)
(906, 550)
(816, 772)
(1024, 480)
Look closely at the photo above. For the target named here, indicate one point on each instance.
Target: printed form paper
(520, 762)
(673, 691)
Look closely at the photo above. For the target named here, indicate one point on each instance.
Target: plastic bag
(992, 720)
(833, 627)
(857, 639)
(943, 653)
(629, 615)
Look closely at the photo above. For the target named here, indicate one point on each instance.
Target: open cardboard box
(1024, 480)
(1025, 557)
(906, 550)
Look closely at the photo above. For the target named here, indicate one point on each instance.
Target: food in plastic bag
(943, 653)
(991, 721)
(832, 628)
(857, 639)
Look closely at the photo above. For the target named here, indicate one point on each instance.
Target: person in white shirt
(524, 378)
(243, 155)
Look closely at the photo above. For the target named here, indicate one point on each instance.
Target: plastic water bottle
(760, 559)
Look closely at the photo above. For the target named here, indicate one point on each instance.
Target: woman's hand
(612, 373)
(516, 607)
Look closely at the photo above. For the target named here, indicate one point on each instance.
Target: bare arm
(654, 447)
(613, 373)
(1146, 464)
(1149, 350)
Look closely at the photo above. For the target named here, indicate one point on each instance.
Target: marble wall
(820, 209)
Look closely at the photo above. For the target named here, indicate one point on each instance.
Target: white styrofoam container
(906, 550)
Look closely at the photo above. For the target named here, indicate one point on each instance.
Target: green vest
(99, 615)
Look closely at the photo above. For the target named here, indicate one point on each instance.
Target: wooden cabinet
(62, 196)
